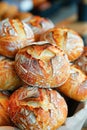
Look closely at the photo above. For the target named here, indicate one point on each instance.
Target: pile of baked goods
(38, 63)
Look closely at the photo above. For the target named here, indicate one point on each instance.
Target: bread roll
(39, 25)
(8, 77)
(4, 115)
(32, 108)
(14, 35)
(66, 39)
(82, 61)
(76, 85)
(38, 2)
(42, 65)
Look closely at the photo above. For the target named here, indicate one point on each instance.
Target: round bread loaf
(67, 39)
(32, 108)
(9, 80)
(4, 116)
(39, 25)
(76, 85)
(82, 61)
(14, 35)
(42, 65)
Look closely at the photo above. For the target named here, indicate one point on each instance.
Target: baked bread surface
(33, 108)
(82, 61)
(14, 35)
(9, 79)
(67, 39)
(42, 65)
(4, 115)
(76, 85)
(39, 25)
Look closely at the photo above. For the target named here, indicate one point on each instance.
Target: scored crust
(4, 116)
(76, 85)
(14, 35)
(33, 108)
(9, 80)
(67, 39)
(43, 66)
(39, 25)
(82, 61)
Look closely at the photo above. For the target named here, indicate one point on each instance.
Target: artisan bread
(76, 85)
(4, 115)
(32, 108)
(82, 61)
(39, 25)
(14, 35)
(67, 39)
(42, 65)
(9, 80)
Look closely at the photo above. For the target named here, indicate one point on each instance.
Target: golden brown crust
(4, 116)
(37, 109)
(39, 25)
(42, 65)
(76, 86)
(8, 77)
(66, 39)
(82, 61)
(14, 35)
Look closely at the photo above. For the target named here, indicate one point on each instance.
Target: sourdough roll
(42, 65)
(32, 108)
(14, 35)
(9, 80)
(4, 115)
(39, 25)
(67, 39)
(76, 85)
(82, 61)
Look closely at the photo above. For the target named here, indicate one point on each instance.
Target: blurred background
(56, 10)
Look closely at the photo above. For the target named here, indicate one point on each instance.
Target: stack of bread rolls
(38, 61)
